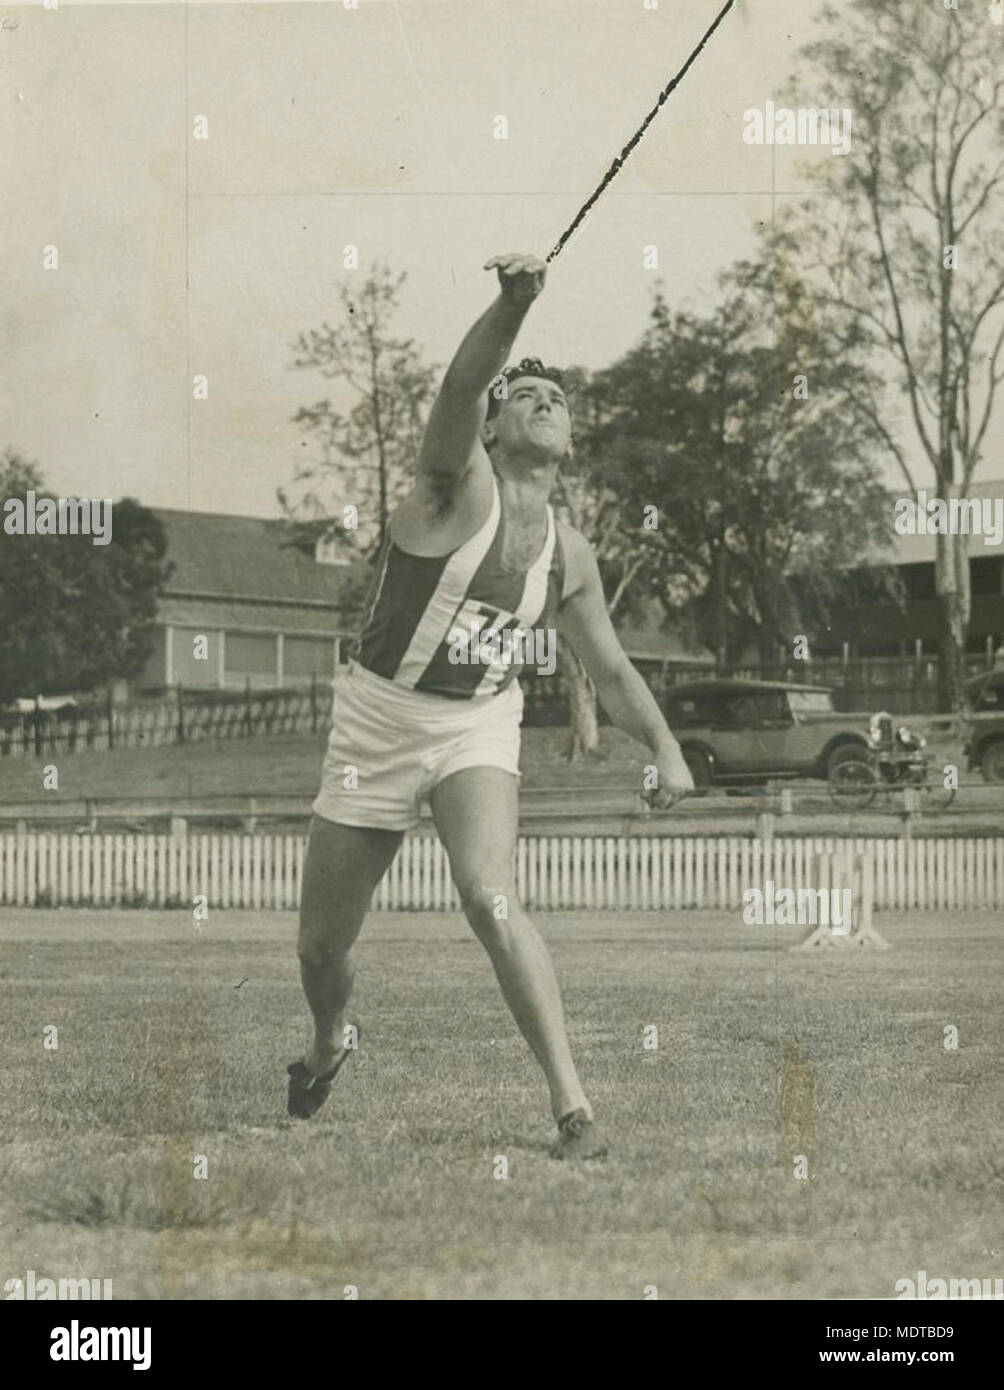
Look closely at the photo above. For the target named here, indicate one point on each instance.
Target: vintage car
(738, 731)
(984, 725)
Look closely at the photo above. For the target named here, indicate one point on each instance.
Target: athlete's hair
(530, 366)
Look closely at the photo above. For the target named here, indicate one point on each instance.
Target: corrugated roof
(737, 687)
(244, 557)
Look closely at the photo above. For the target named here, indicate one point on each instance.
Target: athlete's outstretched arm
(583, 619)
(454, 429)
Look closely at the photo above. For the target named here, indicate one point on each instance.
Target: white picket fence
(552, 872)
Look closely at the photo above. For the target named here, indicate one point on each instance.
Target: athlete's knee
(323, 939)
(318, 950)
(492, 910)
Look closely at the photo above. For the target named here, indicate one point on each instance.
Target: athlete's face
(534, 419)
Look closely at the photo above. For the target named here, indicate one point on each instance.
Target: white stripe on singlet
(532, 599)
(453, 584)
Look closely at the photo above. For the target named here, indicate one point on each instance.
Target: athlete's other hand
(520, 276)
(675, 780)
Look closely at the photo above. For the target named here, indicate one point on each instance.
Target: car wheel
(992, 762)
(699, 765)
(853, 784)
(845, 753)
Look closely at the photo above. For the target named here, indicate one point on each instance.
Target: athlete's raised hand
(520, 276)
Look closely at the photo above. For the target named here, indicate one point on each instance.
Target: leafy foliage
(751, 485)
(74, 615)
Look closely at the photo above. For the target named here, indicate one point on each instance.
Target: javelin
(622, 157)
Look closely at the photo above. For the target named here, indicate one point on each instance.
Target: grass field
(284, 765)
(163, 1054)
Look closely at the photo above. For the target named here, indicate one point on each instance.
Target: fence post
(247, 706)
(181, 714)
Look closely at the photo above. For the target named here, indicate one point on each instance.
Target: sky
(327, 127)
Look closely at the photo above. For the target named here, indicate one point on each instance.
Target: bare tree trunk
(719, 613)
(582, 707)
(384, 511)
(951, 575)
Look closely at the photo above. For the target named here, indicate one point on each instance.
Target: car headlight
(906, 736)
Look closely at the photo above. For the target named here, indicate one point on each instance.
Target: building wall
(182, 664)
(206, 658)
(889, 629)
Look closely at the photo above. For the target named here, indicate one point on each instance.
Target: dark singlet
(422, 609)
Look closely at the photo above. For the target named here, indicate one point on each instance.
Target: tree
(592, 506)
(734, 439)
(908, 253)
(366, 453)
(74, 615)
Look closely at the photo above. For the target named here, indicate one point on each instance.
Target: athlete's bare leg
(344, 865)
(476, 813)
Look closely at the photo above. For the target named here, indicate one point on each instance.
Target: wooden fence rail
(184, 717)
(552, 872)
(901, 685)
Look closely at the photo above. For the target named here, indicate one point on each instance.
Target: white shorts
(403, 742)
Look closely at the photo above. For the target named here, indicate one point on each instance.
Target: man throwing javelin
(475, 565)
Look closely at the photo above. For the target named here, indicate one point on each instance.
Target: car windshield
(810, 701)
(990, 695)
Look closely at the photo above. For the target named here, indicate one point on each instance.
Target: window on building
(307, 658)
(251, 656)
(189, 667)
(986, 576)
(918, 580)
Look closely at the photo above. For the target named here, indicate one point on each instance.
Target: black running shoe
(579, 1137)
(307, 1092)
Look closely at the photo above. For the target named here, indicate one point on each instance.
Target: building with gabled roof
(271, 614)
